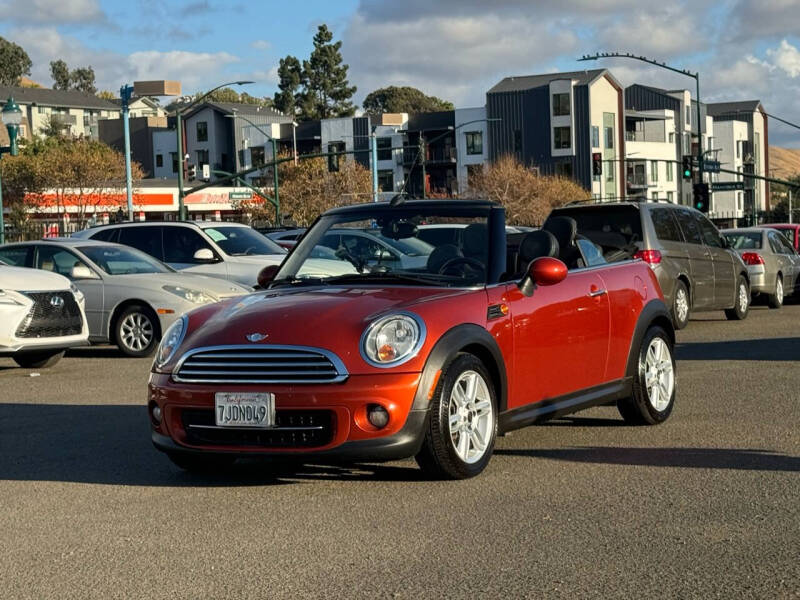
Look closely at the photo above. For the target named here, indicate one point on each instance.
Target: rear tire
(680, 306)
(38, 360)
(654, 384)
(462, 425)
(136, 331)
(198, 463)
(776, 300)
(742, 306)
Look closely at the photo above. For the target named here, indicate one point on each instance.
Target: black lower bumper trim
(403, 444)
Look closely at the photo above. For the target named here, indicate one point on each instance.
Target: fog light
(156, 412)
(377, 416)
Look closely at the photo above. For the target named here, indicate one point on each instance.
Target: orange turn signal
(165, 311)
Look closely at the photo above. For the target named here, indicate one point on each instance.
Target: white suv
(41, 315)
(229, 250)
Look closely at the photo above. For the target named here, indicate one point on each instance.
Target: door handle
(596, 293)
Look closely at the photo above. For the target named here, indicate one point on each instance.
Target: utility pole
(422, 161)
(125, 94)
(275, 182)
(374, 143)
(790, 205)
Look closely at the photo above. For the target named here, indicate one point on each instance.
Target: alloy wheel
(136, 332)
(659, 374)
(682, 305)
(470, 417)
(779, 291)
(744, 297)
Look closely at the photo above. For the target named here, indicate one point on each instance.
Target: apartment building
(112, 132)
(556, 121)
(742, 132)
(75, 113)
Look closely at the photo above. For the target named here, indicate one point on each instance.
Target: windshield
(116, 260)
(386, 246)
(744, 241)
(242, 241)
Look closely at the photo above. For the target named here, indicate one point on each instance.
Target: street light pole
(374, 144)
(421, 153)
(178, 113)
(125, 94)
(12, 117)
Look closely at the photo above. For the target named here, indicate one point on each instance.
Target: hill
(784, 162)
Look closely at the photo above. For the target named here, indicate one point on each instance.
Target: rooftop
(56, 98)
(527, 82)
(719, 109)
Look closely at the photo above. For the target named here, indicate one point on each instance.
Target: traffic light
(701, 197)
(687, 167)
(597, 164)
(191, 172)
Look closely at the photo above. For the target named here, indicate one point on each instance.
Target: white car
(231, 251)
(41, 315)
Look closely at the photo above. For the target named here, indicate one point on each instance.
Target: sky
(454, 49)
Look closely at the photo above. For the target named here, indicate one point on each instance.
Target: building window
(174, 157)
(739, 200)
(608, 169)
(655, 195)
(671, 197)
(42, 110)
(671, 137)
(654, 170)
(688, 115)
(159, 160)
(202, 158)
(564, 169)
(608, 133)
(384, 145)
(202, 131)
(687, 143)
(474, 142)
(386, 180)
(595, 136)
(561, 105)
(669, 171)
(333, 161)
(257, 156)
(22, 130)
(562, 138)
(517, 141)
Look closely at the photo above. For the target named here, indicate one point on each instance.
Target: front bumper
(348, 434)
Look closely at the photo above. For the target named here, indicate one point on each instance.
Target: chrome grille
(259, 364)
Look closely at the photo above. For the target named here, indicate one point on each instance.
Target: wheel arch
(121, 306)
(654, 312)
(465, 338)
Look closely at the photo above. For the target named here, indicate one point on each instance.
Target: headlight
(170, 341)
(193, 296)
(5, 298)
(392, 340)
(77, 293)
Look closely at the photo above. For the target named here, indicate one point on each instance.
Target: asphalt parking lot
(704, 506)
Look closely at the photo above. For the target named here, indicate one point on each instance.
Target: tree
(14, 63)
(81, 79)
(227, 94)
(60, 74)
(106, 95)
(290, 75)
(403, 100)
(327, 91)
(528, 198)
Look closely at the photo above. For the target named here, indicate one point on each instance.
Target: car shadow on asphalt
(768, 349)
(738, 459)
(96, 352)
(110, 444)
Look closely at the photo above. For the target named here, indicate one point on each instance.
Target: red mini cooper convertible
(353, 352)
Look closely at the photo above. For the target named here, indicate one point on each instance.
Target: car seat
(440, 255)
(565, 230)
(536, 244)
(476, 242)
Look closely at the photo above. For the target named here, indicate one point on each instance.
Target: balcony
(63, 119)
(434, 155)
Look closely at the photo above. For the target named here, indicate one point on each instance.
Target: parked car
(694, 266)
(41, 315)
(772, 263)
(432, 361)
(791, 231)
(228, 250)
(286, 238)
(369, 247)
(130, 297)
(453, 233)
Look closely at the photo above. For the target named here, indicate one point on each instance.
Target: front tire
(462, 426)
(136, 332)
(680, 306)
(739, 310)
(38, 360)
(776, 300)
(654, 383)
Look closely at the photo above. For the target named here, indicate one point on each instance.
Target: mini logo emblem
(255, 337)
(57, 302)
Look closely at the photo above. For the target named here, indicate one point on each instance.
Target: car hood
(31, 280)
(154, 281)
(257, 259)
(329, 317)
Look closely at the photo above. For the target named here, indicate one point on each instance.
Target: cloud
(261, 45)
(787, 58)
(54, 12)
(752, 19)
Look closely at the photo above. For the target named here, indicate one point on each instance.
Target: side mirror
(204, 255)
(544, 270)
(266, 275)
(82, 272)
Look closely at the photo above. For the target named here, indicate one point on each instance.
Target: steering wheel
(461, 261)
(247, 251)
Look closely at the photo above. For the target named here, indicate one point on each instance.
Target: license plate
(239, 409)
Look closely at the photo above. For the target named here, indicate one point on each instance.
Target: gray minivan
(695, 267)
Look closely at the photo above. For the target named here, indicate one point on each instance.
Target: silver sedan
(131, 298)
(772, 263)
